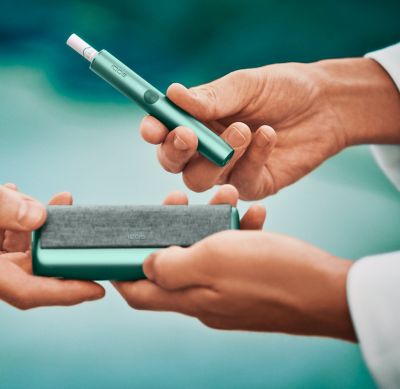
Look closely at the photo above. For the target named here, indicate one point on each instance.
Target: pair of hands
(20, 214)
(247, 279)
(239, 279)
(283, 121)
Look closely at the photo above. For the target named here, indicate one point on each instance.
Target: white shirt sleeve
(373, 284)
(388, 156)
(373, 293)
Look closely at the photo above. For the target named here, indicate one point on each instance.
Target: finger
(11, 186)
(19, 212)
(177, 149)
(63, 198)
(2, 232)
(226, 194)
(145, 295)
(250, 175)
(176, 267)
(46, 291)
(22, 260)
(26, 291)
(152, 130)
(200, 174)
(254, 218)
(16, 241)
(216, 100)
(176, 198)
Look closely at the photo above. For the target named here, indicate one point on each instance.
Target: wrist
(364, 98)
(335, 313)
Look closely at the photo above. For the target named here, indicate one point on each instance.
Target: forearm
(364, 98)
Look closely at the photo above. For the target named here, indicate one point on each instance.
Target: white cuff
(388, 159)
(388, 156)
(373, 293)
(389, 59)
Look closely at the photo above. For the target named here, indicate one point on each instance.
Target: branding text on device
(118, 70)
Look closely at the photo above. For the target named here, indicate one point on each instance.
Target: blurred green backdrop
(61, 128)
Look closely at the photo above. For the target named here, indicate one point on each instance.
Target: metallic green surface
(120, 264)
(157, 104)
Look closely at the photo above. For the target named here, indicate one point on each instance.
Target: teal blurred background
(61, 128)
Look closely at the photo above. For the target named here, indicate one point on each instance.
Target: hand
(248, 280)
(316, 110)
(19, 215)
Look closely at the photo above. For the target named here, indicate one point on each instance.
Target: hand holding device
(316, 109)
(19, 215)
(111, 242)
(125, 80)
(249, 280)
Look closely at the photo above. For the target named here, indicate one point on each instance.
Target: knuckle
(172, 167)
(168, 162)
(244, 76)
(209, 92)
(209, 97)
(194, 184)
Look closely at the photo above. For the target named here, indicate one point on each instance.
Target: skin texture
(247, 280)
(283, 121)
(19, 215)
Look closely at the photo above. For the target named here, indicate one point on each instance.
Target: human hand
(316, 110)
(19, 215)
(248, 280)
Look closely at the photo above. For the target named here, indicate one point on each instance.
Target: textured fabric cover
(132, 226)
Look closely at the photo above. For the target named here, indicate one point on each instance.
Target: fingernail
(236, 138)
(30, 214)
(179, 143)
(262, 138)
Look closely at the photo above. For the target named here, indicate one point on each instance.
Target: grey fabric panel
(132, 226)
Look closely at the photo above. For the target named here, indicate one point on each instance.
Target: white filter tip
(81, 47)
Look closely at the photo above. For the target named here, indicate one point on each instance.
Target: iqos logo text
(137, 235)
(118, 70)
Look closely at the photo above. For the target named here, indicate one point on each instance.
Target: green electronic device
(111, 242)
(125, 80)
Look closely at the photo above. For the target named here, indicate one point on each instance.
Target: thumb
(19, 212)
(176, 268)
(218, 99)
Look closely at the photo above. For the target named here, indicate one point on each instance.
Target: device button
(150, 97)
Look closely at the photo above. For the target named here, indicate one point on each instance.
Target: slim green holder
(126, 81)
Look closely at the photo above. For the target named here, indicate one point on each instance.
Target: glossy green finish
(95, 264)
(157, 104)
(235, 219)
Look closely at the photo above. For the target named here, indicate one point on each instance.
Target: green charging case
(111, 242)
